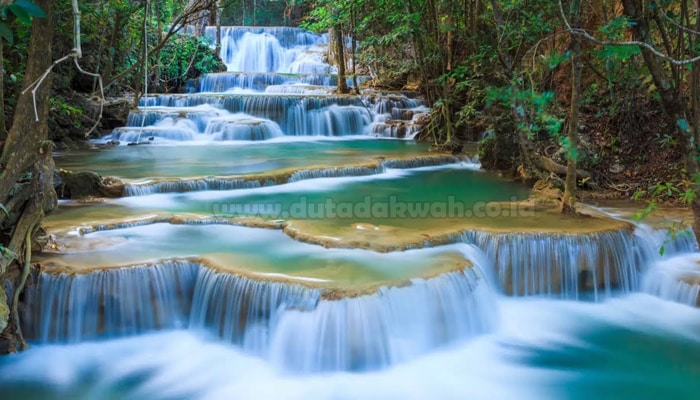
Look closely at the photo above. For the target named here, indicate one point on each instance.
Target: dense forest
(587, 98)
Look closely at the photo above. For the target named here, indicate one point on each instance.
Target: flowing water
(277, 241)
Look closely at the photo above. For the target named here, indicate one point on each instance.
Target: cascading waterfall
(243, 310)
(298, 326)
(381, 329)
(570, 265)
(110, 302)
(278, 84)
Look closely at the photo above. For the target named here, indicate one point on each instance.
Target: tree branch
(583, 33)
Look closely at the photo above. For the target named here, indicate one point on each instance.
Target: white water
(676, 279)
(278, 84)
(635, 347)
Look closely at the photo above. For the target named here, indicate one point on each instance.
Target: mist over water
(636, 347)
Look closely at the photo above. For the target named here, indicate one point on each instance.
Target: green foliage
(60, 108)
(616, 29)
(185, 57)
(22, 10)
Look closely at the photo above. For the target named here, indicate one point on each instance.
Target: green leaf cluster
(23, 11)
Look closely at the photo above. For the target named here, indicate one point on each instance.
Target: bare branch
(583, 33)
(672, 22)
(102, 95)
(34, 86)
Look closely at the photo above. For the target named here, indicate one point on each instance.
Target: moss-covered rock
(79, 185)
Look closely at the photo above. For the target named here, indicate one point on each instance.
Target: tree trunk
(3, 127)
(26, 183)
(353, 37)
(219, 10)
(568, 201)
(114, 39)
(340, 55)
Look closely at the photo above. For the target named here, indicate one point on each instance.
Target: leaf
(31, 8)
(662, 250)
(6, 32)
(3, 209)
(20, 12)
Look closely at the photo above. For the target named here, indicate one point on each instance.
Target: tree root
(22, 281)
(550, 165)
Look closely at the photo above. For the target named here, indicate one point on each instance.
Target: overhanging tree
(26, 165)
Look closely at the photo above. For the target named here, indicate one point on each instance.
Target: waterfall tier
(170, 185)
(283, 320)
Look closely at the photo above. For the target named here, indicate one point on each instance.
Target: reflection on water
(636, 347)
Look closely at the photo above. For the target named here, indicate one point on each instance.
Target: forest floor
(635, 151)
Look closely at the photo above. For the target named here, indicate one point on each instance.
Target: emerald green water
(188, 160)
(248, 249)
(434, 192)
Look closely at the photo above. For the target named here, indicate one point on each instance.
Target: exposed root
(22, 281)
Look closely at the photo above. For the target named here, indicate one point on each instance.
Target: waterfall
(418, 162)
(110, 302)
(242, 127)
(676, 279)
(300, 326)
(278, 84)
(569, 265)
(257, 53)
(381, 329)
(261, 82)
(188, 185)
(242, 310)
(334, 173)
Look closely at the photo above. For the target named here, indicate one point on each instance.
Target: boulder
(83, 184)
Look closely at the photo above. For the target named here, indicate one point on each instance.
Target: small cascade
(242, 127)
(182, 185)
(335, 173)
(298, 324)
(419, 162)
(188, 185)
(110, 302)
(244, 311)
(676, 279)
(568, 266)
(377, 330)
(261, 82)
